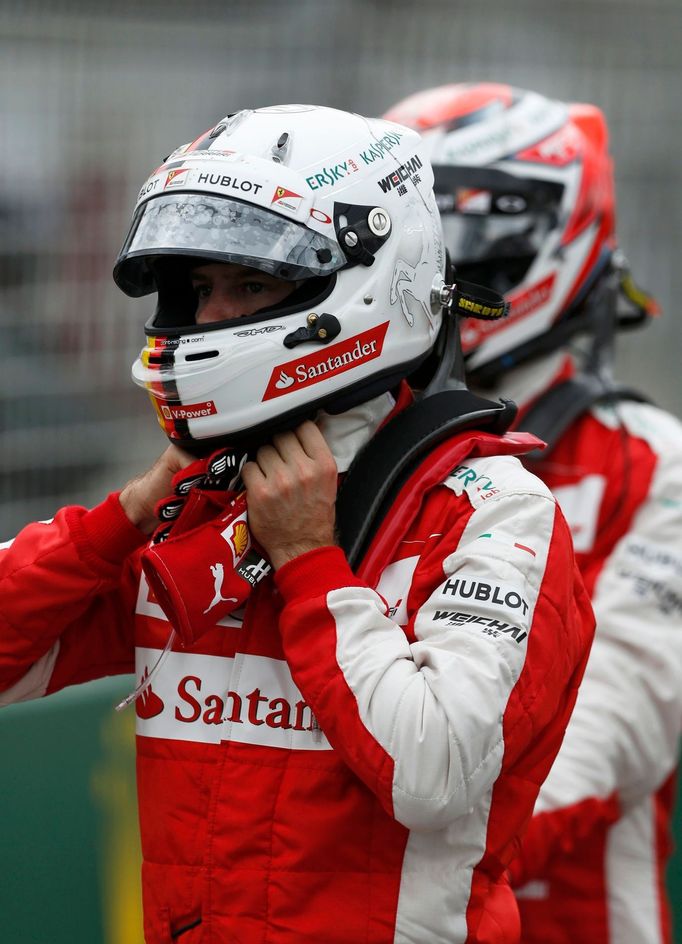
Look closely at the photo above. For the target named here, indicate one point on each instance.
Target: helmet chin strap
(466, 300)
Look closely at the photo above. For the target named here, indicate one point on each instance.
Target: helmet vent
(281, 148)
(201, 355)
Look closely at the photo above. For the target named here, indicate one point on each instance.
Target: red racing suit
(592, 868)
(340, 762)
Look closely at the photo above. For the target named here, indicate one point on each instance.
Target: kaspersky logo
(333, 360)
(249, 699)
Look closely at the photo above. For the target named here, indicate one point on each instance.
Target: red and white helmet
(340, 204)
(525, 189)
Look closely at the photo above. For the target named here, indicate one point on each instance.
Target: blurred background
(92, 97)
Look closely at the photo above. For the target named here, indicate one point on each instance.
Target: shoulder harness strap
(563, 404)
(381, 469)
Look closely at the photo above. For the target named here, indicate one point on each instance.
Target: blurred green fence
(70, 840)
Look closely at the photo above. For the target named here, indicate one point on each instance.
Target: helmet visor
(220, 228)
(494, 224)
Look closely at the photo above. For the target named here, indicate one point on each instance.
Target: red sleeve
(68, 581)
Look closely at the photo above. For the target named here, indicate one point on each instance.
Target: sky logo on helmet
(321, 365)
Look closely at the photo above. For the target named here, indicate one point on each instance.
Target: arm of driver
(423, 723)
(625, 730)
(65, 613)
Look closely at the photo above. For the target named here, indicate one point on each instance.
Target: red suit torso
(339, 763)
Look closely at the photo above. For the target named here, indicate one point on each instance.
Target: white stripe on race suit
(631, 886)
(208, 699)
(437, 706)
(435, 883)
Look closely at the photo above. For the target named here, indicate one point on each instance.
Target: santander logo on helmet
(341, 208)
(524, 185)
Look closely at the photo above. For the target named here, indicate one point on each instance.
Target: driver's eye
(255, 288)
(202, 290)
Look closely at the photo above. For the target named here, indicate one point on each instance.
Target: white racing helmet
(339, 204)
(524, 185)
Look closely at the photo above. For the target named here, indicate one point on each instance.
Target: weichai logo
(188, 411)
(406, 171)
(334, 360)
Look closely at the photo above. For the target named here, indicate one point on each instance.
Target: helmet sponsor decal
(470, 200)
(156, 342)
(148, 187)
(559, 149)
(188, 411)
(228, 182)
(252, 332)
(521, 305)
(194, 156)
(396, 179)
(176, 178)
(377, 151)
(381, 147)
(304, 371)
(330, 176)
(320, 216)
(532, 298)
(286, 198)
